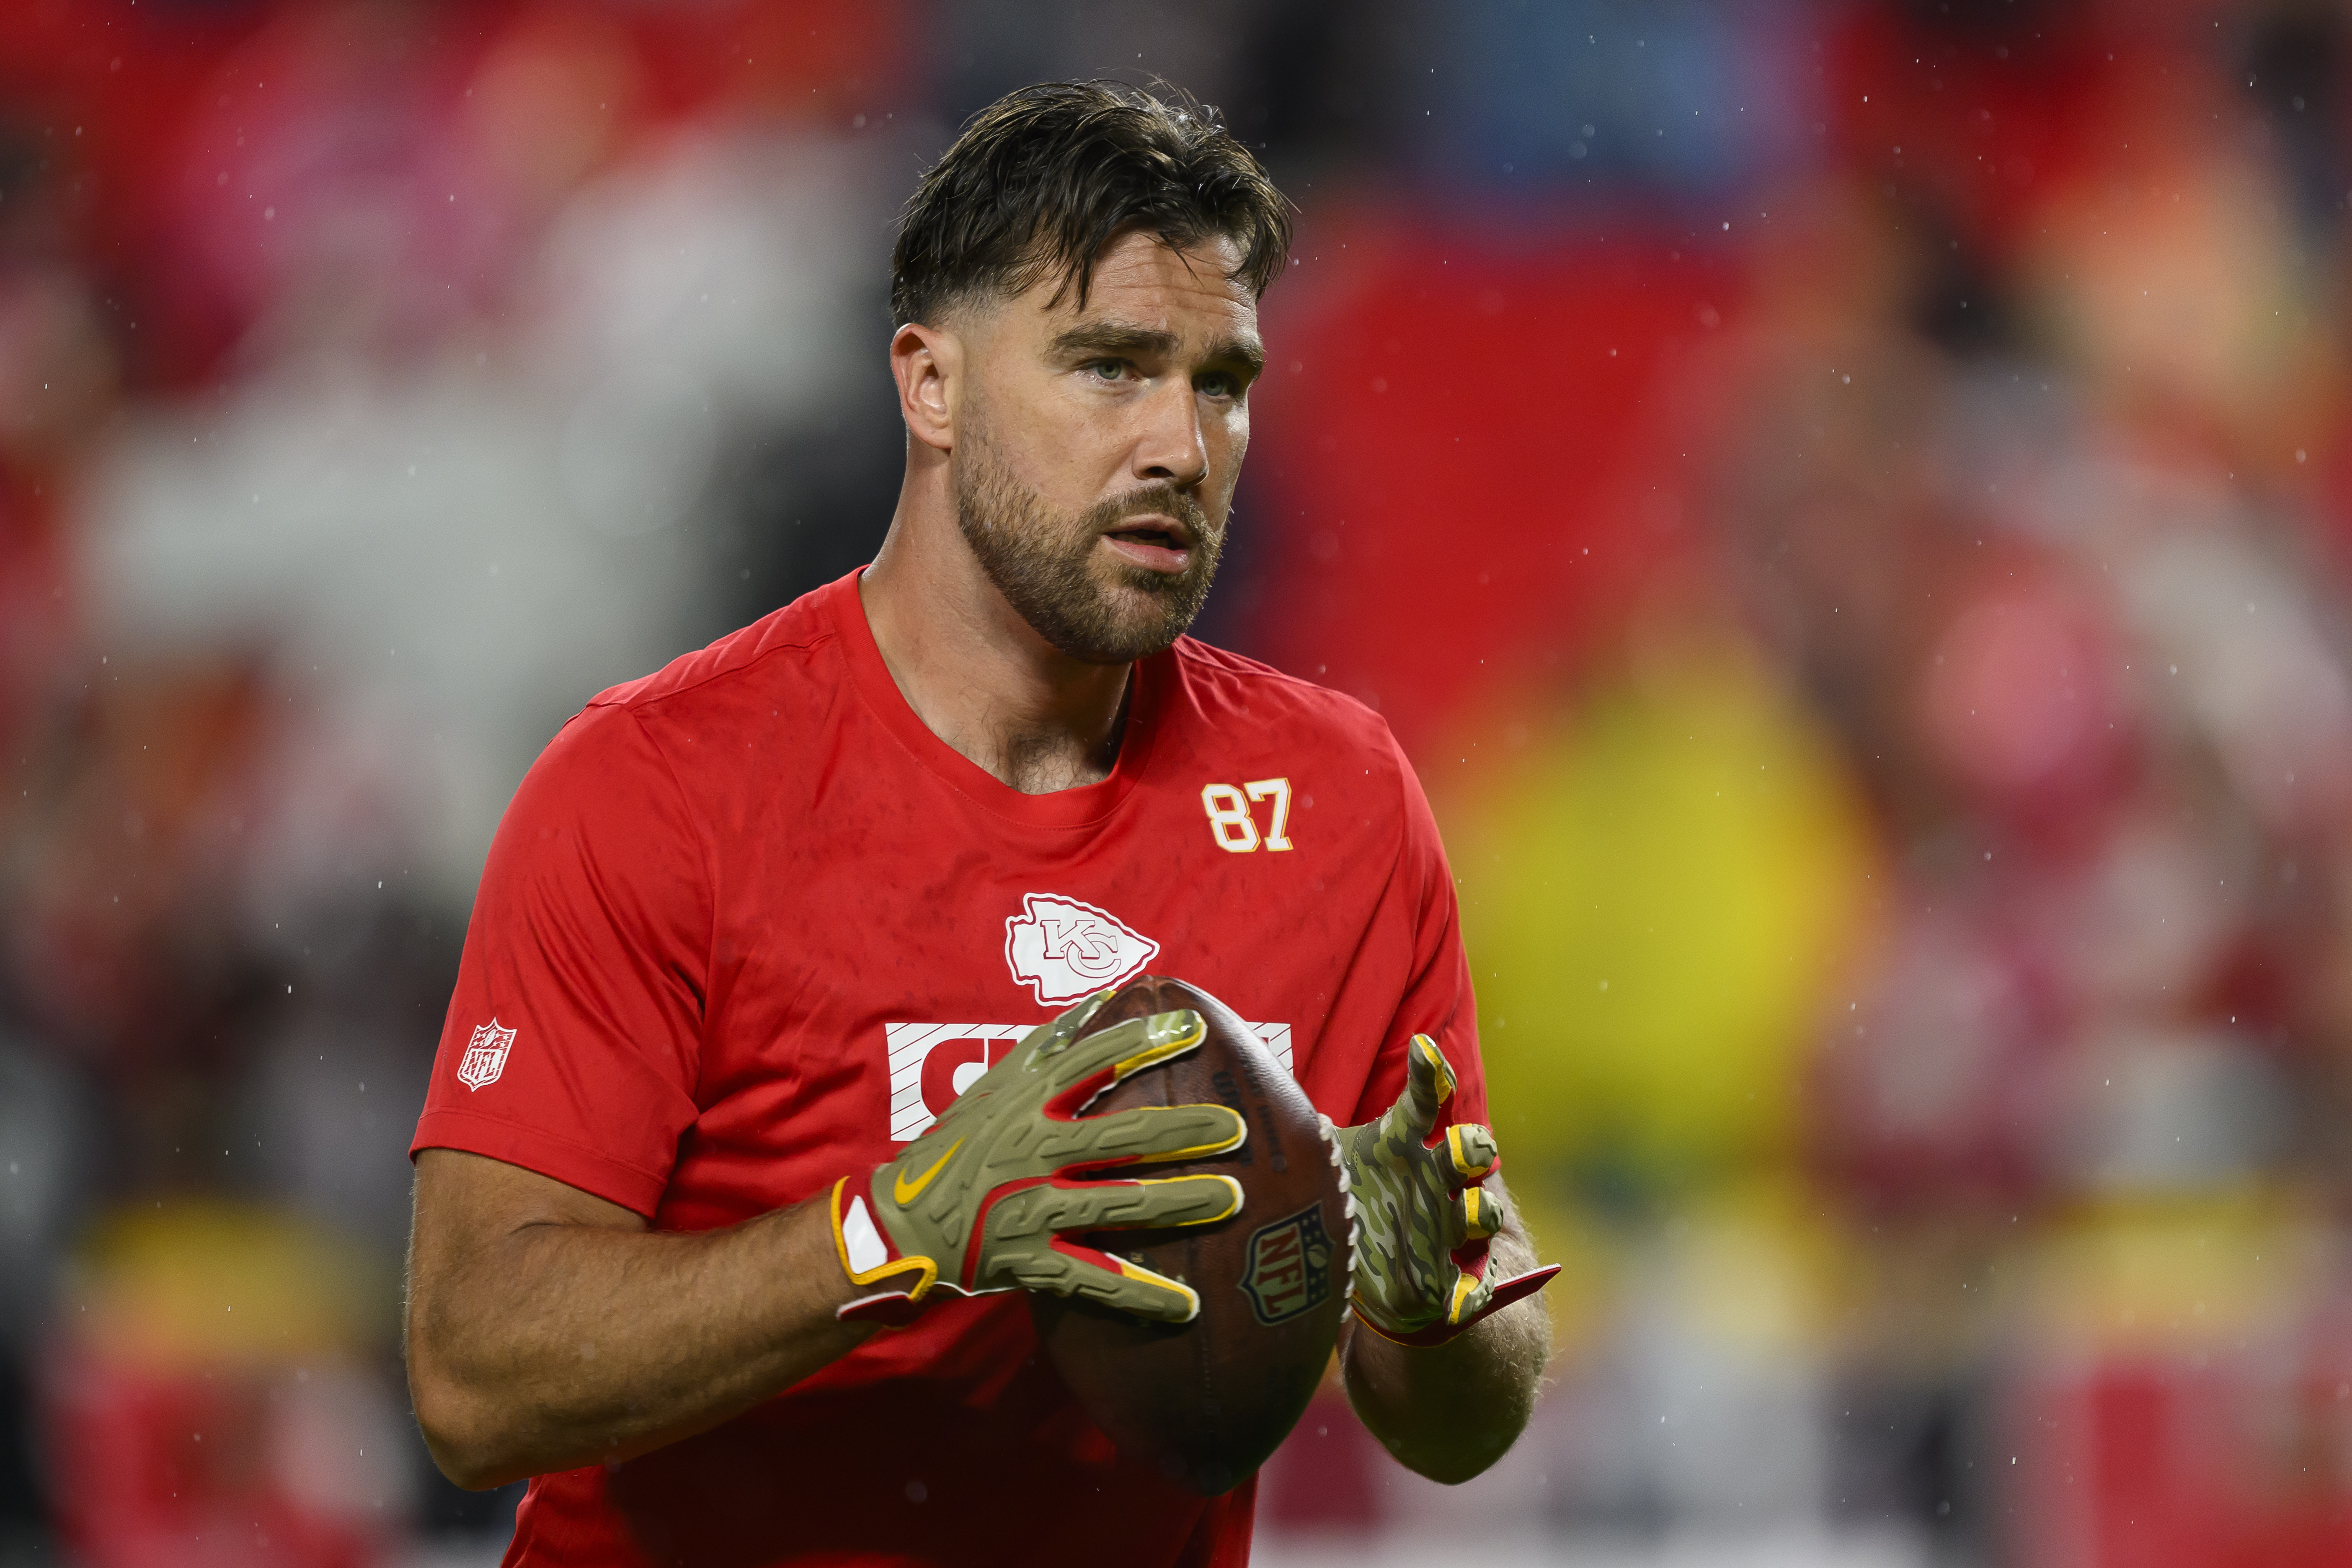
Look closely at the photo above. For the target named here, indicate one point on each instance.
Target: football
(1204, 1403)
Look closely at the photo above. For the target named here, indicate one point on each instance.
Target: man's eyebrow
(1249, 351)
(1112, 337)
(1119, 337)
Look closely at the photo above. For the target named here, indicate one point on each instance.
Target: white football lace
(1330, 1137)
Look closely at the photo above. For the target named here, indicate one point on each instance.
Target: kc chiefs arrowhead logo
(1064, 949)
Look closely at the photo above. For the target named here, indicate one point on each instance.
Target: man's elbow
(460, 1430)
(470, 1465)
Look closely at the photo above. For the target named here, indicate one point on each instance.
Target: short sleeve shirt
(748, 926)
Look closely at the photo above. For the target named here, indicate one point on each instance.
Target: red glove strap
(1518, 1287)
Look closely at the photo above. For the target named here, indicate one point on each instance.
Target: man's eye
(1107, 370)
(1218, 384)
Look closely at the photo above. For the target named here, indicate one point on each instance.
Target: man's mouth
(1158, 543)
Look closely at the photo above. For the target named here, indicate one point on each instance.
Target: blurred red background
(1845, 503)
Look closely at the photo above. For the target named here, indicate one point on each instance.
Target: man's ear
(928, 363)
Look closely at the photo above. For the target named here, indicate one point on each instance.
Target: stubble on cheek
(1077, 597)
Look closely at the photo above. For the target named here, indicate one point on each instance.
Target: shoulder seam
(709, 872)
(1258, 669)
(1405, 781)
(631, 703)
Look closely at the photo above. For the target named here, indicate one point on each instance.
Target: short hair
(1047, 177)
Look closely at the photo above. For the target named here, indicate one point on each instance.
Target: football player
(755, 926)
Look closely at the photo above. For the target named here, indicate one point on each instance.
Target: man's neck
(979, 675)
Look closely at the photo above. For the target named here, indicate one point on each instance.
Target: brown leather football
(1205, 1402)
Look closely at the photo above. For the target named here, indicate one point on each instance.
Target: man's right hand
(980, 1202)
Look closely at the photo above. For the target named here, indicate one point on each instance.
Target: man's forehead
(1141, 281)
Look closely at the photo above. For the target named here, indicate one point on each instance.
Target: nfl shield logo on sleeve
(486, 1055)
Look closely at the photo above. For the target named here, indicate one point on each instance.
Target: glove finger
(1047, 1039)
(1065, 1269)
(1138, 1289)
(1123, 1049)
(1148, 1132)
(1475, 1216)
(1428, 1085)
(1516, 1288)
(1469, 1298)
(1052, 1037)
(1431, 1069)
(1466, 1153)
(1129, 1204)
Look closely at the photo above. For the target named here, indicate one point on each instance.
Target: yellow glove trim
(1240, 1137)
(1462, 1162)
(1122, 1071)
(1437, 1060)
(1232, 1185)
(925, 1270)
(1463, 1284)
(1135, 1270)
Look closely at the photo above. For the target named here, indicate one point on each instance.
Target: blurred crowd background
(1846, 504)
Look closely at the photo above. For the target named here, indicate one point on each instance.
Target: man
(756, 925)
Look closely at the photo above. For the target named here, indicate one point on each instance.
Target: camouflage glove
(975, 1205)
(1422, 1218)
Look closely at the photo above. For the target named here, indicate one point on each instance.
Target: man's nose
(1172, 448)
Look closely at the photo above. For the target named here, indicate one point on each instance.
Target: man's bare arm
(1449, 1411)
(548, 1329)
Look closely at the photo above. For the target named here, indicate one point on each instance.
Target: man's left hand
(1423, 1214)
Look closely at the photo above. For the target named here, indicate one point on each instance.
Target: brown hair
(1042, 180)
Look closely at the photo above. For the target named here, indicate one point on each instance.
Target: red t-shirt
(749, 923)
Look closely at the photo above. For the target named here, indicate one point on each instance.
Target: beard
(1102, 612)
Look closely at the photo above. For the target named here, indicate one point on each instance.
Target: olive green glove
(1423, 1219)
(977, 1204)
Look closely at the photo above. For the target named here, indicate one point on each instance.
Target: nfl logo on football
(1289, 1267)
(486, 1055)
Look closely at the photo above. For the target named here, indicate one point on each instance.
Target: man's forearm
(1449, 1411)
(559, 1342)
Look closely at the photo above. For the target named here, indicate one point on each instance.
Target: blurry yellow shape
(1757, 1266)
(2176, 1274)
(200, 1284)
(1654, 903)
(1582, 1297)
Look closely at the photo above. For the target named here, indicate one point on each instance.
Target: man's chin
(1122, 646)
(1131, 621)
(1158, 605)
